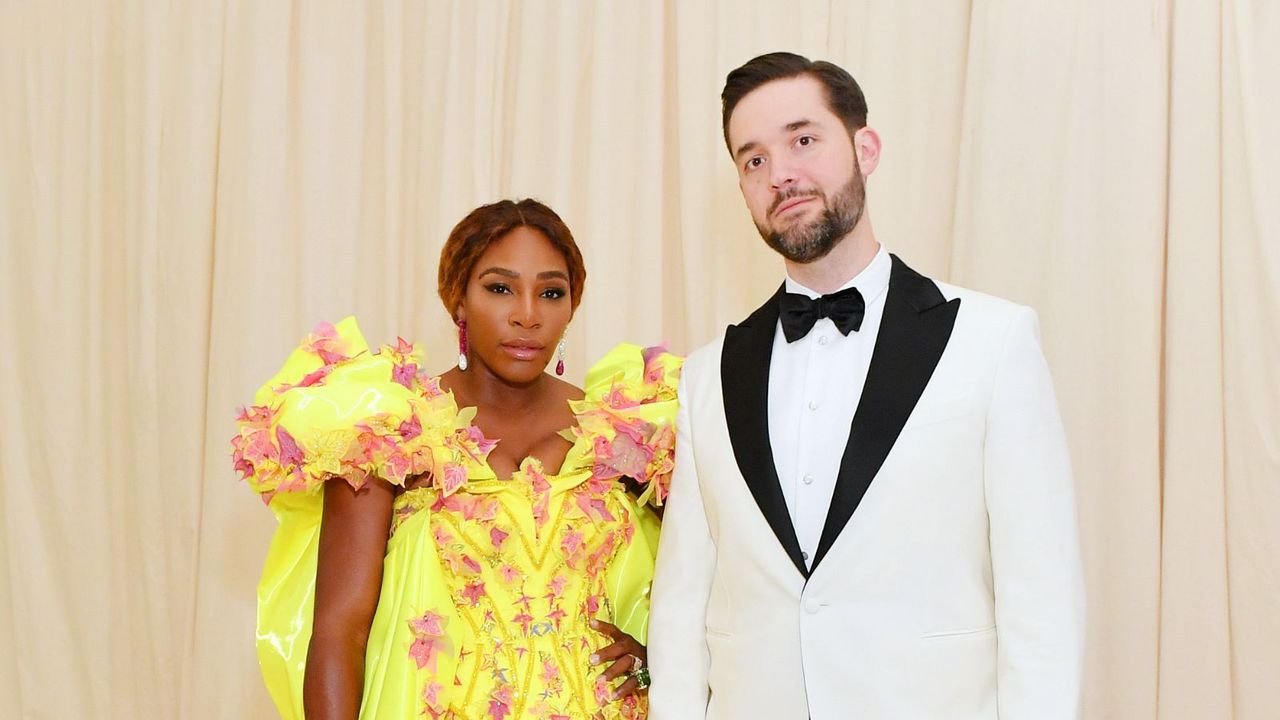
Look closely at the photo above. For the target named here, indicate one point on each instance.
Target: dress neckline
(574, 429)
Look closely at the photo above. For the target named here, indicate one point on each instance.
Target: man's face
(796, 167)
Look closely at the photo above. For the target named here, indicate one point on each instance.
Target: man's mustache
(791, 194)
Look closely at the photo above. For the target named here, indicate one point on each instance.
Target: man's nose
(782, 174)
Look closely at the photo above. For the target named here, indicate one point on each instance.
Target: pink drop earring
(560, 355)
(462, 345)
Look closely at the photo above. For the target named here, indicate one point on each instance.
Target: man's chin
(801, 252)
(789, 234)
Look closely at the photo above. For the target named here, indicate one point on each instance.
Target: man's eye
(755, 162)
(805, 140)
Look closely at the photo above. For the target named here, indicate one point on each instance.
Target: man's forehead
(778, 104)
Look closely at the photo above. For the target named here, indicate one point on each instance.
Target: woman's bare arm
(353, 541)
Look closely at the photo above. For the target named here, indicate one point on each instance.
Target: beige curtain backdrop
(186, 187)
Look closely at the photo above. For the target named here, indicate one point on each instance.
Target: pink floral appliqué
(509, 574)
(451, 477)
(326, 344)
(403, 370)
(593, 507)
(541, 494)
(473, 592)
(500, 703)
(410, 429)
(429, 640)
(571, 546)
(431, 696)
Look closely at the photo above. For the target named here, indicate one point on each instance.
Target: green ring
(642, 678)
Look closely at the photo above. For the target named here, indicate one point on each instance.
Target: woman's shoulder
(632, 375)
(645, 369)
(627, 412)
(338, 409)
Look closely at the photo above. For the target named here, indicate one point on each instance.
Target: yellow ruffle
(337, 410)
(627, 415)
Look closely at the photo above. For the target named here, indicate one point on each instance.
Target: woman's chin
(518, 372)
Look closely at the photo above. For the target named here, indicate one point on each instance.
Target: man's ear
(866, 143)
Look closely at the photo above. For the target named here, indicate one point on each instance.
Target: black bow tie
(799, 312)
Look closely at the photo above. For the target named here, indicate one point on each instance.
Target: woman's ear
(459, 314)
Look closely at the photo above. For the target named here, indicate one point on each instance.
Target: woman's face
(517, 305)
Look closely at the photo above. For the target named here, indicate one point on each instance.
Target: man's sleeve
(1035, 553)
(678, 656)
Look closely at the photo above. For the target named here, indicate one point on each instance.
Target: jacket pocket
(961, 632)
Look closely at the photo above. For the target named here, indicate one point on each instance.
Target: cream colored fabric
(186, 187)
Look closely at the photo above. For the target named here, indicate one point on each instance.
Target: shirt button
(813, 404)
(805, 556)
(808, 479)
(822, 340)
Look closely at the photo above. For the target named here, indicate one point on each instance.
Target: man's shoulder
(704, 358)
(925, 292)
(978, 306)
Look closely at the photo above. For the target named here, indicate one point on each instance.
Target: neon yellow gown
(488, 585)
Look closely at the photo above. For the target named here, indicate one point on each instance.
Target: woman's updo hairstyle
(489, 223)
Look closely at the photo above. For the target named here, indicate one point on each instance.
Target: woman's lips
(522, 350)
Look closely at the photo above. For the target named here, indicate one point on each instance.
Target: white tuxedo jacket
(947, 583)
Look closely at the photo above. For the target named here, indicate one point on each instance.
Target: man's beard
(807, 242)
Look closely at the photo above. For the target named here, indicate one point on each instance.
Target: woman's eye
(500, 288)
(554, 293)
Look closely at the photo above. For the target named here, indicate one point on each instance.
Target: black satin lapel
(914, 330)
(744, 379)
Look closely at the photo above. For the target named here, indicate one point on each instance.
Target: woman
(477, 545)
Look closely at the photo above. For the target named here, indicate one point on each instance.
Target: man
(872, 513)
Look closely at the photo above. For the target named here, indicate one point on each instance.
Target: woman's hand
(629, 659)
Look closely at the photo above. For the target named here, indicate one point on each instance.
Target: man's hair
(844, 97)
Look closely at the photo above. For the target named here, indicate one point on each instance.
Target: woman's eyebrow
(500, 271)
(508, 273)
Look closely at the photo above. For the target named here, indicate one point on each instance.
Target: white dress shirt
(814, 387)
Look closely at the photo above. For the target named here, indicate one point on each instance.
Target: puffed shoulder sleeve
(338, 410)
(628, 411)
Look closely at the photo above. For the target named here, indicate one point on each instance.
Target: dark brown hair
(844, 97)
(489, 223)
